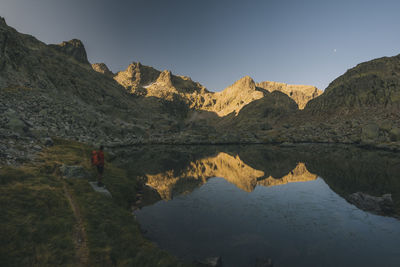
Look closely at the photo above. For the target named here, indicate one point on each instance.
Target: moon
(334, 50)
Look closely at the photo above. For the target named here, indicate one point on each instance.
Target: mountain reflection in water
(243, 215)
(231, 168)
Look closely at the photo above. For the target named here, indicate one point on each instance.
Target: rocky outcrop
(378, 205)
(102, 68)
(301, 94)
(74, 48)
(73, 171)
(136, 77)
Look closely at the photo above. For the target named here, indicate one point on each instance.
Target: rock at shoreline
(377, 205)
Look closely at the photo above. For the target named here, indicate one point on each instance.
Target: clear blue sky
(216, 42)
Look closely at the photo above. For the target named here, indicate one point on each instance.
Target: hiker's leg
(100, 170)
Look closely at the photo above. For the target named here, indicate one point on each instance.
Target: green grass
(37, 222)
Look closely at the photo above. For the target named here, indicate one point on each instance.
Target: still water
(246, 204)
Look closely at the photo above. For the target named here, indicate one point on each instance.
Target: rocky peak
(244, 83)
(133, 68)
(102, 68)
(2, 21)
(136, 75)
(74, 48)
(236, 96)
(165, 78)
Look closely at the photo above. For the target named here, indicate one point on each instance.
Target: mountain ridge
(144, 80)
(52, 91)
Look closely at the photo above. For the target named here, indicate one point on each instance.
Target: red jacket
(98, 158)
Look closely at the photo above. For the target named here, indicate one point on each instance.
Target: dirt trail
(79, 234)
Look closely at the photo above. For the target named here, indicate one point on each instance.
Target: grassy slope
(37, 222)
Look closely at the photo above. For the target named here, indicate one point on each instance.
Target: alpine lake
(258, 205)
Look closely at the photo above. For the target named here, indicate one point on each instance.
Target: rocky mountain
(363, 104)
(372, 84)
(53, 91)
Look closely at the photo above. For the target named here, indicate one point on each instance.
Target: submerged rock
(264, 263)
(377, 205)
(211, 261)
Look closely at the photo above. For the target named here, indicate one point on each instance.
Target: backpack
(95, 158)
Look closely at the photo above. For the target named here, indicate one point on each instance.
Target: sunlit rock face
(147, 81)
(301, 94)
(224, 165)
(236, 96)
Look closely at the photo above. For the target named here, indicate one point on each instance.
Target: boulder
(369, 132)
(394, 134)
(100, 189)
(73, 171)
(386, 125)
(15, 123)
(48, 141)
(378, 205)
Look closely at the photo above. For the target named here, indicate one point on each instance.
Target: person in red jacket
(98, 161)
